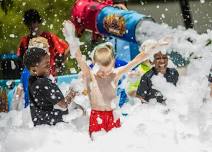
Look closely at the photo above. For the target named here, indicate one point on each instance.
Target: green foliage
(54, 12)
(6, 5)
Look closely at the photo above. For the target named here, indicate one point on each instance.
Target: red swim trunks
(102, 120)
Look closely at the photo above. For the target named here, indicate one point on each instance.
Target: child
(145, 90)
(18, 104)
(134, 77)
(47, 103)
(101, 82)
(57, 47)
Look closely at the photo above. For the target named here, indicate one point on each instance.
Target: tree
(6, 5)
(54, 12)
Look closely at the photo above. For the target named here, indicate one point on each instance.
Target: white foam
(73, 41)
(185, 124)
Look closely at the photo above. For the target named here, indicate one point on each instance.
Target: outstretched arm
(69, 33)
(66, 53)
(149, 48)
(82, 64)
(63, 104)
(138, 59)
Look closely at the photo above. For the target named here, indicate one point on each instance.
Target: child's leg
(95, 135)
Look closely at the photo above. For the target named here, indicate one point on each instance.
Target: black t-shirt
(43, 96)
(145, 89)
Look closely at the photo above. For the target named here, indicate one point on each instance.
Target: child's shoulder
(149, 74)
(39, 81)
(172, 71)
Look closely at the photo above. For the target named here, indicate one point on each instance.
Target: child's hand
(69, 33)
(61, 106)
(78, 106)
(70, 96)
(69, 29)
(165, 42)
(121, 6)
(150, 48)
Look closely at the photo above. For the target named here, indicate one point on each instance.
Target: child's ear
(152, 62)
(33, 70)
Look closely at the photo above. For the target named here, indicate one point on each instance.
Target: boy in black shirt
(145, 90)
(47, 103)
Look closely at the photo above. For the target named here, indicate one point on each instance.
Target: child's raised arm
(69, 33)
(82, 64)
(142, 56)
(149, 48)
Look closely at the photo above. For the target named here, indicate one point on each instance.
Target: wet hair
(33, 56)
(31, 16)
(39, 42)
(103, 54)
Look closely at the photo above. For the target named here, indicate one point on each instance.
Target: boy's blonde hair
(103, 54)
